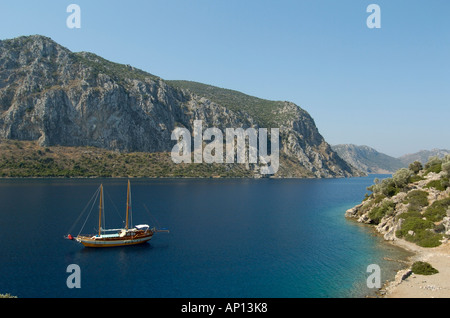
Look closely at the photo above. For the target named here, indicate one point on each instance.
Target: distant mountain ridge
(368, 159)
(57, 97)
(423, 155)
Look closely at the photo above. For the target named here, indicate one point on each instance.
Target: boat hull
(92, 242)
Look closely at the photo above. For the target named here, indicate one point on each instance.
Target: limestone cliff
(60, 98)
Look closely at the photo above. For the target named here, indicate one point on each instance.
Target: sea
(228, 238)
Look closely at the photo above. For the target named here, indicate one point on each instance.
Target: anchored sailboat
(130, 235)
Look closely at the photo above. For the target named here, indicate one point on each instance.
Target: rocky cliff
(60, 98)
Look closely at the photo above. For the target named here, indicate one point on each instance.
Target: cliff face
(57, 97)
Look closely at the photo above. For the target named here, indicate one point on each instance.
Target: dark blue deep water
(228, 238)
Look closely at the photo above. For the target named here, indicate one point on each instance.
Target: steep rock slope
(57, 97)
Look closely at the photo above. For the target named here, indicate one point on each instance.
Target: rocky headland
(412, 210)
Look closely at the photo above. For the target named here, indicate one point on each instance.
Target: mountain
(423, 156)
(368, 159)
(56, 97)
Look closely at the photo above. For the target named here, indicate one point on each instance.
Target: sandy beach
(422, 286)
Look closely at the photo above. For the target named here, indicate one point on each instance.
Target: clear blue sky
(386, 88)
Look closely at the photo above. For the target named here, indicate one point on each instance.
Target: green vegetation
(419, 231)
(20, 159)
(385, 187)
(7, 296)
(434, 164)
(419, 225)
(118, 72)
(26, 159)
(415, 178)
(446, 167)
(415, 167)
(265, 111)
(440, 185)
(422, 223)
(438, 210)
(401, 177)
(417, 199)
(377, 213)
(423, 268)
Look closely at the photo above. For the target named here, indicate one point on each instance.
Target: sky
(387, 88)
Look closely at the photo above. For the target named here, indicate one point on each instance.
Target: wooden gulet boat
(130, 235)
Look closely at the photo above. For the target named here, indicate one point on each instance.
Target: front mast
(100, 211)
(128, 203)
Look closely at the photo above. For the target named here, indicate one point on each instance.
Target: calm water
(228, 238)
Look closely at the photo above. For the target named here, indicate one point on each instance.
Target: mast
(100, 211)
(128, 203)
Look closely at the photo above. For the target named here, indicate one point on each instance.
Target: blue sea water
(234, 238)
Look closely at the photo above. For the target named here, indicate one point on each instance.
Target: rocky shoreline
(411, 210)
(389, 224)
(407, 284)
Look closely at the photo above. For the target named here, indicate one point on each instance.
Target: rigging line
(84, 210)
(92, 207)
(153, 218)
(114, 205)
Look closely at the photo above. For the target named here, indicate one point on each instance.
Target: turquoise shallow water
(228, 238)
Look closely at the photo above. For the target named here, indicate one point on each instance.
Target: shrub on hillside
(423, 268)
(440, 184)
(446, 168)
(385, 187)
(438, 210)
(415, 167)
(419, 231)
(377, 213)
(416, 199)
(434, 164)
(401, 177)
